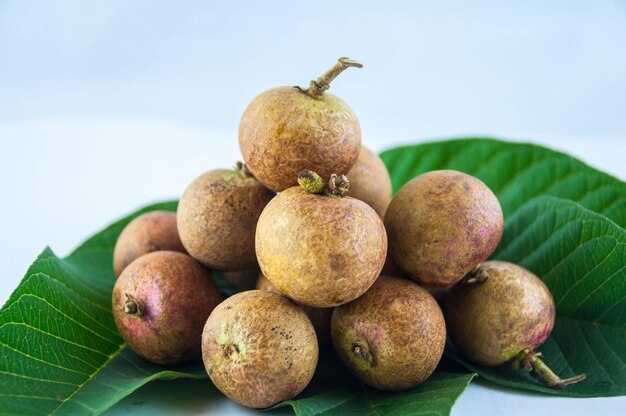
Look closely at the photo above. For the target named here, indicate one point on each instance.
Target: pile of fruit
(310, 222)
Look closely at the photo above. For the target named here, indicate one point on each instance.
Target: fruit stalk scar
(338, 185)
(133, 306)
(529, 360)
(311, 182)
(319, 86)
(361, 350)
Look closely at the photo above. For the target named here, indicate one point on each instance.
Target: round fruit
(370, 181)
(320, 249)
(287, 129)
(320, 317)
(259, 348)
(160, 303)
(153, 231)
(217, 216)
(392, 337)
(500, 312)
(441, 225)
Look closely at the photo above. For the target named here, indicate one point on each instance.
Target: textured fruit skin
(319, 250)
(149, 232)
(402, 328)
(370, 181)
(217, 217)
(285, 131)
(491, 322)
(259, 348)
(441, 225)
(320, 317)
(178, 293)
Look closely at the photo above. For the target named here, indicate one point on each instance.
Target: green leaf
(581, 256)
(60, 351)
(516, 172)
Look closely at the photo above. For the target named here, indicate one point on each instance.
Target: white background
(106, 106)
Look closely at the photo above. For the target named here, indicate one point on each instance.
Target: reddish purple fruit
(160, 304)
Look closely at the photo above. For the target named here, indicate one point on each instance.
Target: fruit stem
(243, 169)
(311, 182)
(529, 360)
(133, 306)
(338, 185)
(476, 275)
(316, 88)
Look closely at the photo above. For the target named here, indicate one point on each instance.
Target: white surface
(106, 107)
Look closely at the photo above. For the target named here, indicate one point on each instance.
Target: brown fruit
(259, 348)
(217, 217)
(149, 232)
(160, 303)
(441, 225)
(320, 317)
(392, 337)
(370, 181)
(320, 250)
(287, 129)
(502, 312)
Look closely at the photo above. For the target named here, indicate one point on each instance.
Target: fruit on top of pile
(160, 304)
(152, 231)
(259, 348)
(318, 246)
(286, 130)
(321, 245)
(217, 216)
(441, 225)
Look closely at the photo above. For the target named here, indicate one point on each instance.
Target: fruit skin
(320, 250)
(320, 317)
(392, 337)
(217, 216)
(491, 322)
(441, 225)
(370, 181)
(259, 348)
(177, 295)
(152, 231)
(284, 131)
